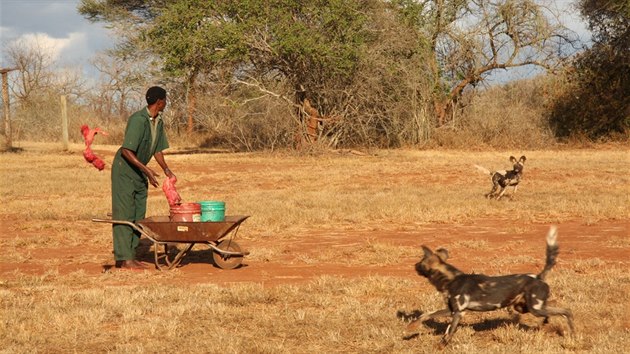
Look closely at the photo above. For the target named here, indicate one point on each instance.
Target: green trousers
(129, 202)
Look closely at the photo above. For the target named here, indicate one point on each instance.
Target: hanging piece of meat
(88, 134)
(88, 137)
(89, 156)
(171, 192)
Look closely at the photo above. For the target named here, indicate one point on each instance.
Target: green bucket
(212, 210)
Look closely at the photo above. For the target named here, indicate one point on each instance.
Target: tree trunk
(191, 99)
(191, 111)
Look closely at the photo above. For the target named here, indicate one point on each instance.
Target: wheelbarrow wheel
(225, 261)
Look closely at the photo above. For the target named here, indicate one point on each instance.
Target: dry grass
(54, 194)
(289, 192)
(75, 313)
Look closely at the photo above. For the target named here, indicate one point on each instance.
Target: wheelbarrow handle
(125, 222)
(142, 231)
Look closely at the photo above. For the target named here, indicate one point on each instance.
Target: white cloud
(55, 26)
(77, 43)
(42, 42)
(55, 48)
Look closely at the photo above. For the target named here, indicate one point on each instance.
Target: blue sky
(57, 26)
(73, 40)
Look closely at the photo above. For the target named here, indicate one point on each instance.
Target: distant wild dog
(504, 179)
(477, 292)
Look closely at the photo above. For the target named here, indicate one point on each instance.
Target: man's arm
(169, 185)
(130, 156)
(159, 157)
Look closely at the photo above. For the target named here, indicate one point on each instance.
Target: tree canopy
(413, 52)
(596, 103)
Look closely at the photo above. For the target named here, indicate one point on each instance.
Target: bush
(511, 115)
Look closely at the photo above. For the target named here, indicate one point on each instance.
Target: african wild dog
(504, 179)
(478, 292)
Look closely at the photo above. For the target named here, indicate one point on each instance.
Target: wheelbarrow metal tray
(164, 230)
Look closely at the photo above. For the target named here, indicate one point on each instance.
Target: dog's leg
(450, 330)
(513, 192)
(537, 305)
(503, 189)
(491, 193)
(427, 316)
(556, 311)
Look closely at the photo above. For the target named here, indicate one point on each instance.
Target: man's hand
(152, 176)
(170, 174)
(133, 159)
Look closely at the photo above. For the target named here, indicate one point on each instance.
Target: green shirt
(138, 137)
(143, 139)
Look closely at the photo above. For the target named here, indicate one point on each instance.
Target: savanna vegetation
(264, 75)
(393, 101)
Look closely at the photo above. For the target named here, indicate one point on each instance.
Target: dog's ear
(427, 251)
(512, 159)
(442, 253)
(522, 159)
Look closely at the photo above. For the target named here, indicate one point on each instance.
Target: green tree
(596, 99)
(304, 49)
(414, 54)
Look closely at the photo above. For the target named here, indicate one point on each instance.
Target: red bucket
(186, 212)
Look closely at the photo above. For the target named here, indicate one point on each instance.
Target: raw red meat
(88, 134)
(93, 159)
(88, 155)
(171, 193)
(98, 163)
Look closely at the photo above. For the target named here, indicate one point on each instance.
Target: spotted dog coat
(478, 292)
(504, 179)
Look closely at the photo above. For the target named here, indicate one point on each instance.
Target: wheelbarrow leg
(178, 258)
(157, 256)
(170, 263)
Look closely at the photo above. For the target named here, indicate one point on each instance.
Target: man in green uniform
(144, 138)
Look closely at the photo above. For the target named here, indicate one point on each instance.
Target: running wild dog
(477, 292)
(504, 179)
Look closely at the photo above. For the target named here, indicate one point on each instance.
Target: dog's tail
(483, 169)
(552, 252)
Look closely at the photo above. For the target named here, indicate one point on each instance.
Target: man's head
(156, 95)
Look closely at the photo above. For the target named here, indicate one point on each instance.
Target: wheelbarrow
(166, 234)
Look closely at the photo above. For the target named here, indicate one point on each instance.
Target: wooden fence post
(7, 108)
(64, 122)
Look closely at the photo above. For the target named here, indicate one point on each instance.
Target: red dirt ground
(480, 246)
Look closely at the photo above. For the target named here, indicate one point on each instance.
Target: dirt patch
(607, 242)
(515, 243)
(489, 246)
